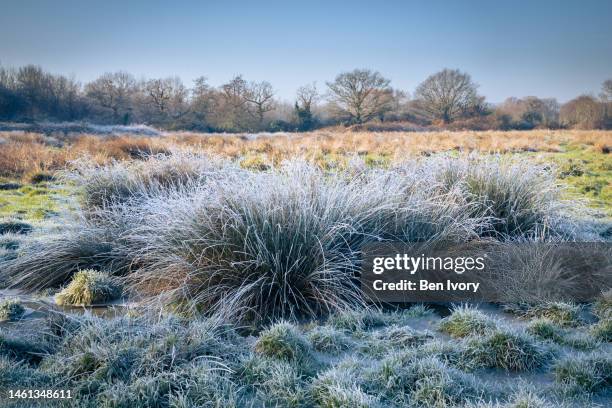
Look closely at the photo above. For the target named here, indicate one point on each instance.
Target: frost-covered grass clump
(466, 321)
(329, 340)
(579, 373)
(283, 243)
(283, 341)
(89, 287)
(507, 349)
(11, 309)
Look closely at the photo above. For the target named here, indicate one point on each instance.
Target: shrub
(89, 287)
(11, 309)
(329, 340)
(283, 341)
(510, 350)
(589, 373)
(465, 321)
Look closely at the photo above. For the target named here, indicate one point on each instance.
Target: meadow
(190, 270)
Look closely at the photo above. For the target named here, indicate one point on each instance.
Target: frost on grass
(329, 340)
(561, 313)
(11, 309)
(89, 287)
(283, 341)
(602, 330)
(508, 349)
(339, 388)
(406, 378)
(465, 321)
(580, 373)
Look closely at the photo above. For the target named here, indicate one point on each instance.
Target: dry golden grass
(22, 154)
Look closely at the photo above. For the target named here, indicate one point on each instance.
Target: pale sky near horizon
(511, 48)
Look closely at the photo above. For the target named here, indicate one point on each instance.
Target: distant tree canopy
(448, 95)
(446, 99)
(360, 95)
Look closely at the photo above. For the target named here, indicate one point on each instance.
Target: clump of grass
(545, 329)
(89, 287)
(405, 378)
(11, 310)
(466, 321)
(602, 307)
(357, 320)
(602, 330)
(329, 340)
(507, 349)
(561, 313)
(15, 227)
(590, 373)
(580, 341)
(338, 387)
(275, 381)
(564, 314)
(384, 341)
(283, 341)
(39, 177)
(18, 375)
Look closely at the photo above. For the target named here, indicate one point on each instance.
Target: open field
(223, 269)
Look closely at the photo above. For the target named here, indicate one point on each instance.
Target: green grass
(465, 321)
(589, 373)
(33, 202)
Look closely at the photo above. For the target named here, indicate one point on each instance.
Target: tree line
(446, 99)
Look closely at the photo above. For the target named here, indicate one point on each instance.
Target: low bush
(89, 287)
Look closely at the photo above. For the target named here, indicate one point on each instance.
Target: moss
(589, 373)
(11, 309)
(283, 341)
(89, 287)
(465, 321)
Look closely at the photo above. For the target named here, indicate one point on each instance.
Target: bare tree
(167, 95)
(361, 94)
(306, 97)
(261, 96)
(583, 112)
(447, 95)
(113, 91)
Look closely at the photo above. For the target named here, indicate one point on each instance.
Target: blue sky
(511, 48)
